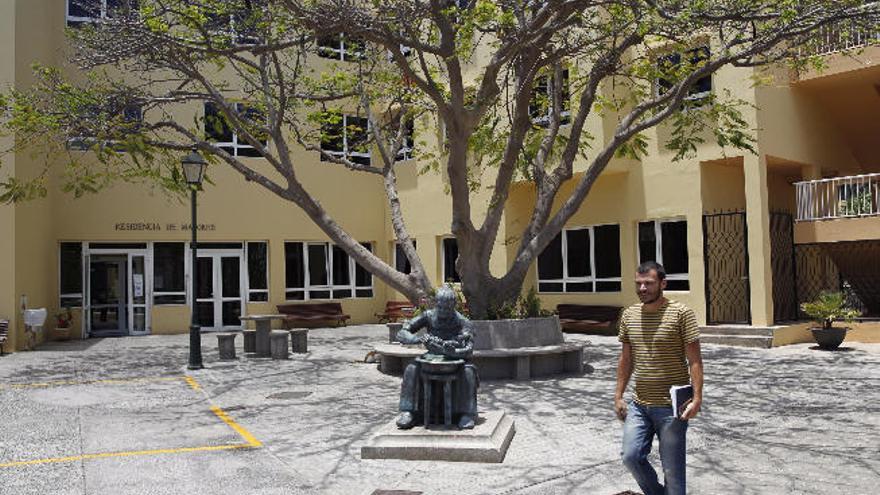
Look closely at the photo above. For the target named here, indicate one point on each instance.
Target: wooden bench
(297, 315)
(396, 310)
(582, 318)
(4, 333)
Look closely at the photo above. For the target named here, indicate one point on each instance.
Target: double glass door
(219, 289)
(117, 294)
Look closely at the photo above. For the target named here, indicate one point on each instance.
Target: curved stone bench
(516, 358)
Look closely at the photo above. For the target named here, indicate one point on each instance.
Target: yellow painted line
(193, 383)
(251, 441)
(88, 382)
(132, 453)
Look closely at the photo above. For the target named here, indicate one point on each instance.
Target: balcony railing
(839, 197)
(833, 39)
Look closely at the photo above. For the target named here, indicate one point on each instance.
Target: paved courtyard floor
(124, 416)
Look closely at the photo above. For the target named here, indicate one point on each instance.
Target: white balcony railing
(833, 39)
(839, 197)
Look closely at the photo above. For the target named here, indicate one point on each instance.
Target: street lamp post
(194, 171)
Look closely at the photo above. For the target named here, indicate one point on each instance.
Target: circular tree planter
(829, 338)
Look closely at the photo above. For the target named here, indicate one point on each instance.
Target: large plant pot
(60, 333)
(829, 338)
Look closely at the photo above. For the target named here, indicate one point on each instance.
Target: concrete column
(758, 223)
(8, 293)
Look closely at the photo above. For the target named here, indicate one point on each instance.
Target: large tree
(512, 83)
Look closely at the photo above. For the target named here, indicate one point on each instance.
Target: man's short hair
(647, 266)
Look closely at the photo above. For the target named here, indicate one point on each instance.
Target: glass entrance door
(219, 301)
(108, 295)
(117, 293)
(138, 289)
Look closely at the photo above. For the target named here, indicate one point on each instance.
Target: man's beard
(656, 297)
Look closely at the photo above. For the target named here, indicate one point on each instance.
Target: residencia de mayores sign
(155, 226)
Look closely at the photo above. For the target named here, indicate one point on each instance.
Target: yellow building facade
(733, 229)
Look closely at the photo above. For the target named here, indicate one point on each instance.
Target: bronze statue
(448, 337)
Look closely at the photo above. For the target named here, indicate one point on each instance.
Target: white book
(680, 395)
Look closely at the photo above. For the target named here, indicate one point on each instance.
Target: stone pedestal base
(250, 340)
(299, 340)
(278, 344)
(393, 328)
(487, 442)
(226, 344)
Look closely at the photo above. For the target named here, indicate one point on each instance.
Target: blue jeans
(642, 422)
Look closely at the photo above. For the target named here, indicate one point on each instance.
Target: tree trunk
(486, 295)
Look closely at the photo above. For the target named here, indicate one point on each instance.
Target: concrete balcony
(844, 48)
(841, 216)
(838, 209)
(836, 39)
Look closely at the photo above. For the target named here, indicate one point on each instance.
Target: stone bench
(519, 349)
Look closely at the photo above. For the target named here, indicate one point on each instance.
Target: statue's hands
(433, 344)
(405, 337)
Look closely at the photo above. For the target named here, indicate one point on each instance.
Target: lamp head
(193, 168)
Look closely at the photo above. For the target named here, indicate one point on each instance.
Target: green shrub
(828, 307)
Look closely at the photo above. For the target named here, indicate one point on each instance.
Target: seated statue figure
(448, 335)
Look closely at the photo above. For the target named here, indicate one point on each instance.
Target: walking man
(660, 348)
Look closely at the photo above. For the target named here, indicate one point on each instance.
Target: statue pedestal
(442, 373)
(487, 442)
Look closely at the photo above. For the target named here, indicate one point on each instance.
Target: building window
(321, 270)
(408, 143)
(581, 260)
(258, 271)
(341, 47)
(404, 50)
(169, 273)
(346, 136)
(670, 63)
(129, 119)
(218, 130)
(80, 11)
(401, 262)
(70, 274)
(450, 254)
(363, 279)
(541, 105)
(665, 241)
(241, 25)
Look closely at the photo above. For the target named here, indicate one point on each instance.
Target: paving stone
(781, 420)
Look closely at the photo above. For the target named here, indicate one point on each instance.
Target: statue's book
(680, 395)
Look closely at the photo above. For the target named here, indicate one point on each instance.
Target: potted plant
(827, 308)
(63, 322)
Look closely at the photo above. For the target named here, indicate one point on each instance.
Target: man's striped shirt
(658, 339)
